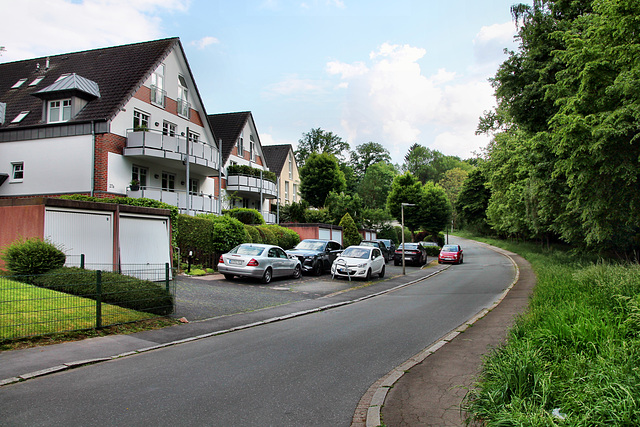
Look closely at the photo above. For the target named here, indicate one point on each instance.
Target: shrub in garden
(286, 237)
(32, 256)
(350, 234)
(124, 291)
(267, 235)
(245, 215)
(254, 234)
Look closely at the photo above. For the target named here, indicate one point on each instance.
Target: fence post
(82, 261)
(166, 275)
(98, 299)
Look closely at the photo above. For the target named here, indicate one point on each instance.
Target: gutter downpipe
(93, 158)
(220, 177)
(188, 183)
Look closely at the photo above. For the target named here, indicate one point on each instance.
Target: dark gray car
(316, 255)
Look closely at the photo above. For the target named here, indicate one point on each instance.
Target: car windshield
(409, 246)
(450, 248)
(356, 253)
(247, 250)
(312, 245)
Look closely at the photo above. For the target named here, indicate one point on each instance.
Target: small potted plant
(134, 185)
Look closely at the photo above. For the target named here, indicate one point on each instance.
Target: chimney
(46, 64)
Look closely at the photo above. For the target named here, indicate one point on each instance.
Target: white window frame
(295, 192)
(290, 165)
(193, 137)
(20, 116)
(140, 174)
(168, 181)
(183, 97)
(194, 185)
(19, 83)
(286, 191)
(241, 145)
(143, 119)
(252, 148)
(157, 87)
(17, 168)
(62, 106)
(169, 129)
(36, 81)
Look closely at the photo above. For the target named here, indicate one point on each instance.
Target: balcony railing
(252, 185)
(199, 203)
(202, 156)
(158, 96)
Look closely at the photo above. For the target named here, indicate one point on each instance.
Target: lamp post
(402, 205)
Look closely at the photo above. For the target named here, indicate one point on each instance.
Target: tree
(337, 204)
(451, 183)
(376, 184)
(319, 176)
(435, 208)
(366, 155)
(407, 189)
(376, 219)
(473, 200)
(350, 235)
(430, 165)
(320, 141)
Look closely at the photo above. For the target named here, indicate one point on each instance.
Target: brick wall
(106, 143)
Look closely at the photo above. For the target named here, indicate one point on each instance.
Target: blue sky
(392, 72)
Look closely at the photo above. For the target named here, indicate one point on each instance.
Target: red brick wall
(20, 222)
(106, 143)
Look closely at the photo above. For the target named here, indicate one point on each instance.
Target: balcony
(158, 96)
(199, 203)
(172, 151)
(184, 108)
(251, 186)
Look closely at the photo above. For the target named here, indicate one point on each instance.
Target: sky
(394, 72)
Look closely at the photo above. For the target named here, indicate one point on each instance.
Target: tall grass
(573, 358)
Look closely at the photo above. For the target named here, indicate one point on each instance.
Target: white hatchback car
(359, 261)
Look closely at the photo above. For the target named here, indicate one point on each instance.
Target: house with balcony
(282, 162)
(246, 180)
(119, 121)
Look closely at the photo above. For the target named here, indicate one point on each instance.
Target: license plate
(342, 270)
(235, 262)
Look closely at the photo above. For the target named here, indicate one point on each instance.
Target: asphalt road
(309, 370)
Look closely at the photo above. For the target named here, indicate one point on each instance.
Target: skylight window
(36, 81)
(62, 76)
(19, 117)
(18, 83)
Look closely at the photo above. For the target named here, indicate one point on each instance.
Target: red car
(451, 253)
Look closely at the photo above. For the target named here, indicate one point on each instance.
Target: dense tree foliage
(376, 184)
(366, 155)
(320, 141)
(319, 176)
(430, 165)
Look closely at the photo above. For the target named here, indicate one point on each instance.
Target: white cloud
(390, 101)
(204, 42)
(44, 27)
(294, 86)
(490, 42)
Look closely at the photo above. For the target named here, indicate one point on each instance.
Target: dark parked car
(451, 253)
(414, 253)
(316, 255)
(386, 253)
(390, 245)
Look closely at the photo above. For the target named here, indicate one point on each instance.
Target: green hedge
(210, 234)
(286, 237)
(124, 291)
(253, 234)
(245, 215)
(433, 250)
(251, 171)
(267, 235)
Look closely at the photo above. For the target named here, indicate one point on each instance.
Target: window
(183, 97)
(19, 117)
(139, 174)
(286, 191)
(168, 181)
(36, 81)
(62, 76)
(157, 87)
(140, 120)
(241, 145)
(252, 149)
(291, 166)
(17, 174)
(169, 128)
(193, 186)
(18, 83)
(193, 137)
(59, 111)
(295, 192)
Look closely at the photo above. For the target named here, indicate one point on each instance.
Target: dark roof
(227, 126)
(276, 156)
(118, 71)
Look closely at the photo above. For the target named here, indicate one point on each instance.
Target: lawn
(26, 310)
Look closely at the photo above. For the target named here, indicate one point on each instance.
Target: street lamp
(402, 205)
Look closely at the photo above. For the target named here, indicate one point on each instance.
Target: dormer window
(18, 83)
(59, 110)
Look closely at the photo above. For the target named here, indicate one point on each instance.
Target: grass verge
(573, 358)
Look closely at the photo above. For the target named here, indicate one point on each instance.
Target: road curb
(373, 400)
(79, 363)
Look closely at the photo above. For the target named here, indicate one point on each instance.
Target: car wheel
(368, 276)
(317, 268)
(381, 274)
(266, 278)
(228, 276)
(297, 272)
(461, 260)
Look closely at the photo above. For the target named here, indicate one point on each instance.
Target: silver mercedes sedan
(260, 261)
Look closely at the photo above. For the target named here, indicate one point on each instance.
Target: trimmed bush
(433, 250)
(350, 234)
(245, 215)
(253, 235)
(32, 256)
(123, 291)
(267, 235)
(286, 238)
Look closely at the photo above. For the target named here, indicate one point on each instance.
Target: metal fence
(76, 299)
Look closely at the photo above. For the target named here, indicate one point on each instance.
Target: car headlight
(363, 265)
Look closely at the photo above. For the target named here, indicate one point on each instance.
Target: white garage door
(144, 243)
(82, 232)
(324, 233)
